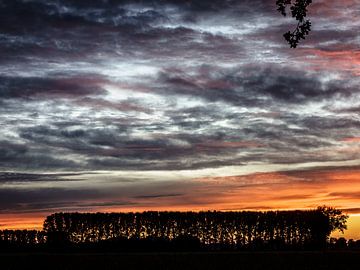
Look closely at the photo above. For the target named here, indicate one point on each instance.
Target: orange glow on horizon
(288, 190)
(21, 221)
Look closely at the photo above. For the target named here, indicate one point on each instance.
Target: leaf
(299, 12)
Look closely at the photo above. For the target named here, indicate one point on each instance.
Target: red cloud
(351, 140)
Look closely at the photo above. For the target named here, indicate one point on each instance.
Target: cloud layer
(171, 85)
(159, 87)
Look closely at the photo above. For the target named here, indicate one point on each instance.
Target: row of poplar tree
(296, 228)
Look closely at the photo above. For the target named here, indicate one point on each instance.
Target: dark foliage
(272, 230)
(299, 11)
(21, 239)
(183, 231)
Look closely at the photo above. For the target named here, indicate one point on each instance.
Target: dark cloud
(19, 198)
(35, 88)
(107, 204)
(56, 30)
(253, 86)
(10, 151)
(51, 207)
(33, 199)
(341, 39)
(109, 147)
(16, 156)
(155, 196)
(105, 12)
(318, 123)
(354, 110)
(170, 164)
(348, 195)
(11, 177)
(351, 210)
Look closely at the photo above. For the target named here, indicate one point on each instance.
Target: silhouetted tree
(299, 11)
(21, 238)
(337, 220)
(271, 230)
(354, 245)
(216, 230)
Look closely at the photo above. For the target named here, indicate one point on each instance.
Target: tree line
(298, 229)
(22, 238)
(241, 229)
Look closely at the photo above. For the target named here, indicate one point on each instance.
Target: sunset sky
(176, 105)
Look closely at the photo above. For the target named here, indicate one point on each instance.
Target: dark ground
(183, 260)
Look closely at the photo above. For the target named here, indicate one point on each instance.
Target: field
(185, 261)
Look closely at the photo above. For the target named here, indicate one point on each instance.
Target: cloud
(253, 86)
(21, 156)
(351, 210)
(11, 150)
(171, 86)
(234, 111)
(33, 88)
(282, 189)
(155, 196)
(332, 186)
(13, 200)
(14, 177)
(349, 195)
(351, 140)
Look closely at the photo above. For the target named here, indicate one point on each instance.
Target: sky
(176, 105)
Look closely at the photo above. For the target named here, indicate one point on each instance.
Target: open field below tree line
(343, 260)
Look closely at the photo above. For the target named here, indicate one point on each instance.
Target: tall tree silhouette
(273, 229)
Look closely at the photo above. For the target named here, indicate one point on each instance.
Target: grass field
(184, 261)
